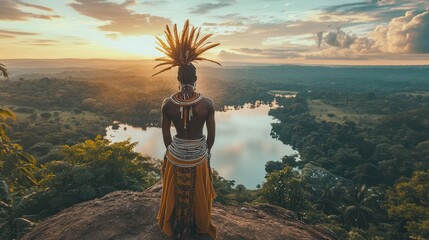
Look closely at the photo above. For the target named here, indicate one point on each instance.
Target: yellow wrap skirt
(187, 196)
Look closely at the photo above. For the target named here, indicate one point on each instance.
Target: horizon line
(242, 63)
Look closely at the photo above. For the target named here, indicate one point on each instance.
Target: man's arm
(166, 124)
(211, 126)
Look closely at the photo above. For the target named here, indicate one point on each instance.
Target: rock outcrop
(127, 215)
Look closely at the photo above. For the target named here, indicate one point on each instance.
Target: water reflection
(242, 147)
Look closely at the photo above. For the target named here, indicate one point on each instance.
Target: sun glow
(144, 46)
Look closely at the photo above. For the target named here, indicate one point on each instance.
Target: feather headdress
(184, 49)
(3, 70)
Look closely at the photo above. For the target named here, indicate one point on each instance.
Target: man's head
(187, 74)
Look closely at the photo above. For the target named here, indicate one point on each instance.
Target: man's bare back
(202, 112)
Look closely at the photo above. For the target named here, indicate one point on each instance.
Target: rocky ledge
(128, 215)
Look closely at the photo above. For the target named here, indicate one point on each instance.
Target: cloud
(207, 7)
(257, 53)
(339, 38)
(406, 34)
(234, 17)
(380, 10)
(333, 53)
(13, 34)
(319, 38)
(35, 6)
(154, 3)
(257, 33)
(230, 23)
(113, 36)
(234, 32)
(59, 42)
(370, 5)
(121, 19)
(6, 36)
(17, 33)
(43, 42)
(9, 10)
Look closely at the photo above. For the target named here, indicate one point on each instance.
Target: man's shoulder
(166, 103)
(208, 100)
(167, 99)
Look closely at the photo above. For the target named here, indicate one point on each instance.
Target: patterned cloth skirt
(187, 189)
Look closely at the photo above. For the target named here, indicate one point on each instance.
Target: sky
(354, 32)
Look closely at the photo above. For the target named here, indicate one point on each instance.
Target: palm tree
(3, 70)
(327, 202)
(12, 222)
(17, 165)
(4, 114)
(358, 211)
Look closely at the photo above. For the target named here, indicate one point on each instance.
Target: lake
(242, 146)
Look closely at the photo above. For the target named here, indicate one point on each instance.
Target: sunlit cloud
(12, 33)
(376, 10)
(121, 19)
(5, 36)
(406, 34)
(270, 31)
(113, 36)
(35, 6)
(11, 10)
(43, 42)
(207, 7)
(256, 53)
(154, 2)
(333, 53)
(337, 38)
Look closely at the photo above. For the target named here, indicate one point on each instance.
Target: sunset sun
(144, 45)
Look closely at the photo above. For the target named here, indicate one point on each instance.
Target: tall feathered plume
(3, 70)
(184, 49)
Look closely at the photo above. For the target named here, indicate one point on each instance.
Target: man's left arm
(166, 125)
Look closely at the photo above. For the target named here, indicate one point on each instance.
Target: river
(242, 147)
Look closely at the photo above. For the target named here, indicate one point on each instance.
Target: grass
(326, 112)
(68, 119)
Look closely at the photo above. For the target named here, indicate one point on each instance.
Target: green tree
(17, 167)
(325, 188)
(358, 211)
(223, 188)
(242, 194)
(272, 166)
(89, 170)
(291, 160)
(285, 189)
(13, 223)
(16, 179)
(328, 200)
(393, 161)
(408, 201)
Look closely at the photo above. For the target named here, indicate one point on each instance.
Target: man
(188, 191)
